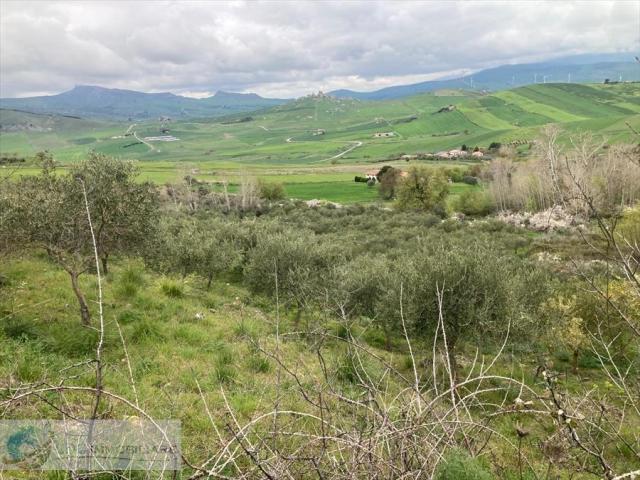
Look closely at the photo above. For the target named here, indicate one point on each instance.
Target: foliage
(474, 203)
(124, 211)
(48, 211)
(422, 189)
(205, 247)
(271, 190)
(388, 178)
(469, 180)
(567, 329)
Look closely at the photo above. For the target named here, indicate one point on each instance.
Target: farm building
(383, 134)
(372, 174)
(477, 154)
(455, 153)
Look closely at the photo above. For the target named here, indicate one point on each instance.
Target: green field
(317, 144)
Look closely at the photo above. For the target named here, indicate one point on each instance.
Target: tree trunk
(454, 365)
(105, 267)
(85, 316)
(209, 279)
(574, 361)
(387, 338)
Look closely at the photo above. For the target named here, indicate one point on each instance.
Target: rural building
(383, 134)
(477, 154)
(372, 175)
(455, 153)
(319, 131)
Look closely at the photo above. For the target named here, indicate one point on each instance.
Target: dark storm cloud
(289, 48)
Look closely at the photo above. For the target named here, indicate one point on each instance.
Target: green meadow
(317, 144)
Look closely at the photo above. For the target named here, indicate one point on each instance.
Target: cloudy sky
(288, 49)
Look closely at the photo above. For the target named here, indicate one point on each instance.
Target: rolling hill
(576, 69)
(115, 104)
(323, 130)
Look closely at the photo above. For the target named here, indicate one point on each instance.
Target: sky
(288, 49)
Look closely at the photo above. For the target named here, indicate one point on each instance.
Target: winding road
(355, 145)
(135, 134)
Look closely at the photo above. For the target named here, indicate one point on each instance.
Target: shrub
(469, 180)
(474, 203)
(19, 329)
(172, 289)
(271, 191)
(389, 178)
(423, 188)
(145, 330)
(126, 290)
(259, 364)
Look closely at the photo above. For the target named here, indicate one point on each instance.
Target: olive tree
(124, 212)
(49, 211)
(467, 288)
(291, 264)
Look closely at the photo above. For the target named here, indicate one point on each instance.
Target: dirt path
(130, 127)
(135, 134)
(264, 128)
(352, 147)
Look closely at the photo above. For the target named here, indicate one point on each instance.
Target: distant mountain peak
(94, 101)
(223, 94)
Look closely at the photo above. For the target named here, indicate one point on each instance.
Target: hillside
(115, 104)
(575, 69)
(321, 129)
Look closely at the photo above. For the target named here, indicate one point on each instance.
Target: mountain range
(589, 68)
(115, 104)
(99, 102)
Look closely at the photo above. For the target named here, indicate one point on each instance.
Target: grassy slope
(260, 146)
(170, 348)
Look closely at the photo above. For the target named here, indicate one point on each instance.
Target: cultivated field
(302, 143)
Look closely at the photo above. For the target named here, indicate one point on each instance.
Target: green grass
(212, 150)
(170, 348)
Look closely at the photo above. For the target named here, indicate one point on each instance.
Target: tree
(124, 212)
(568, 329)
(249, 192)
(388, 178)
(292, 264)
(423, 188)
(474, 203)
(271, 191)
(475, 290)
(49, 211)
(196, 246)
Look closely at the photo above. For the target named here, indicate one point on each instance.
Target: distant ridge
(588, 68)
(111, 103)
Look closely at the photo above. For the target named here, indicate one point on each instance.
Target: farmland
(302, 144)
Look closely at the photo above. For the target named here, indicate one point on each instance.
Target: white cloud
(288, 48)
